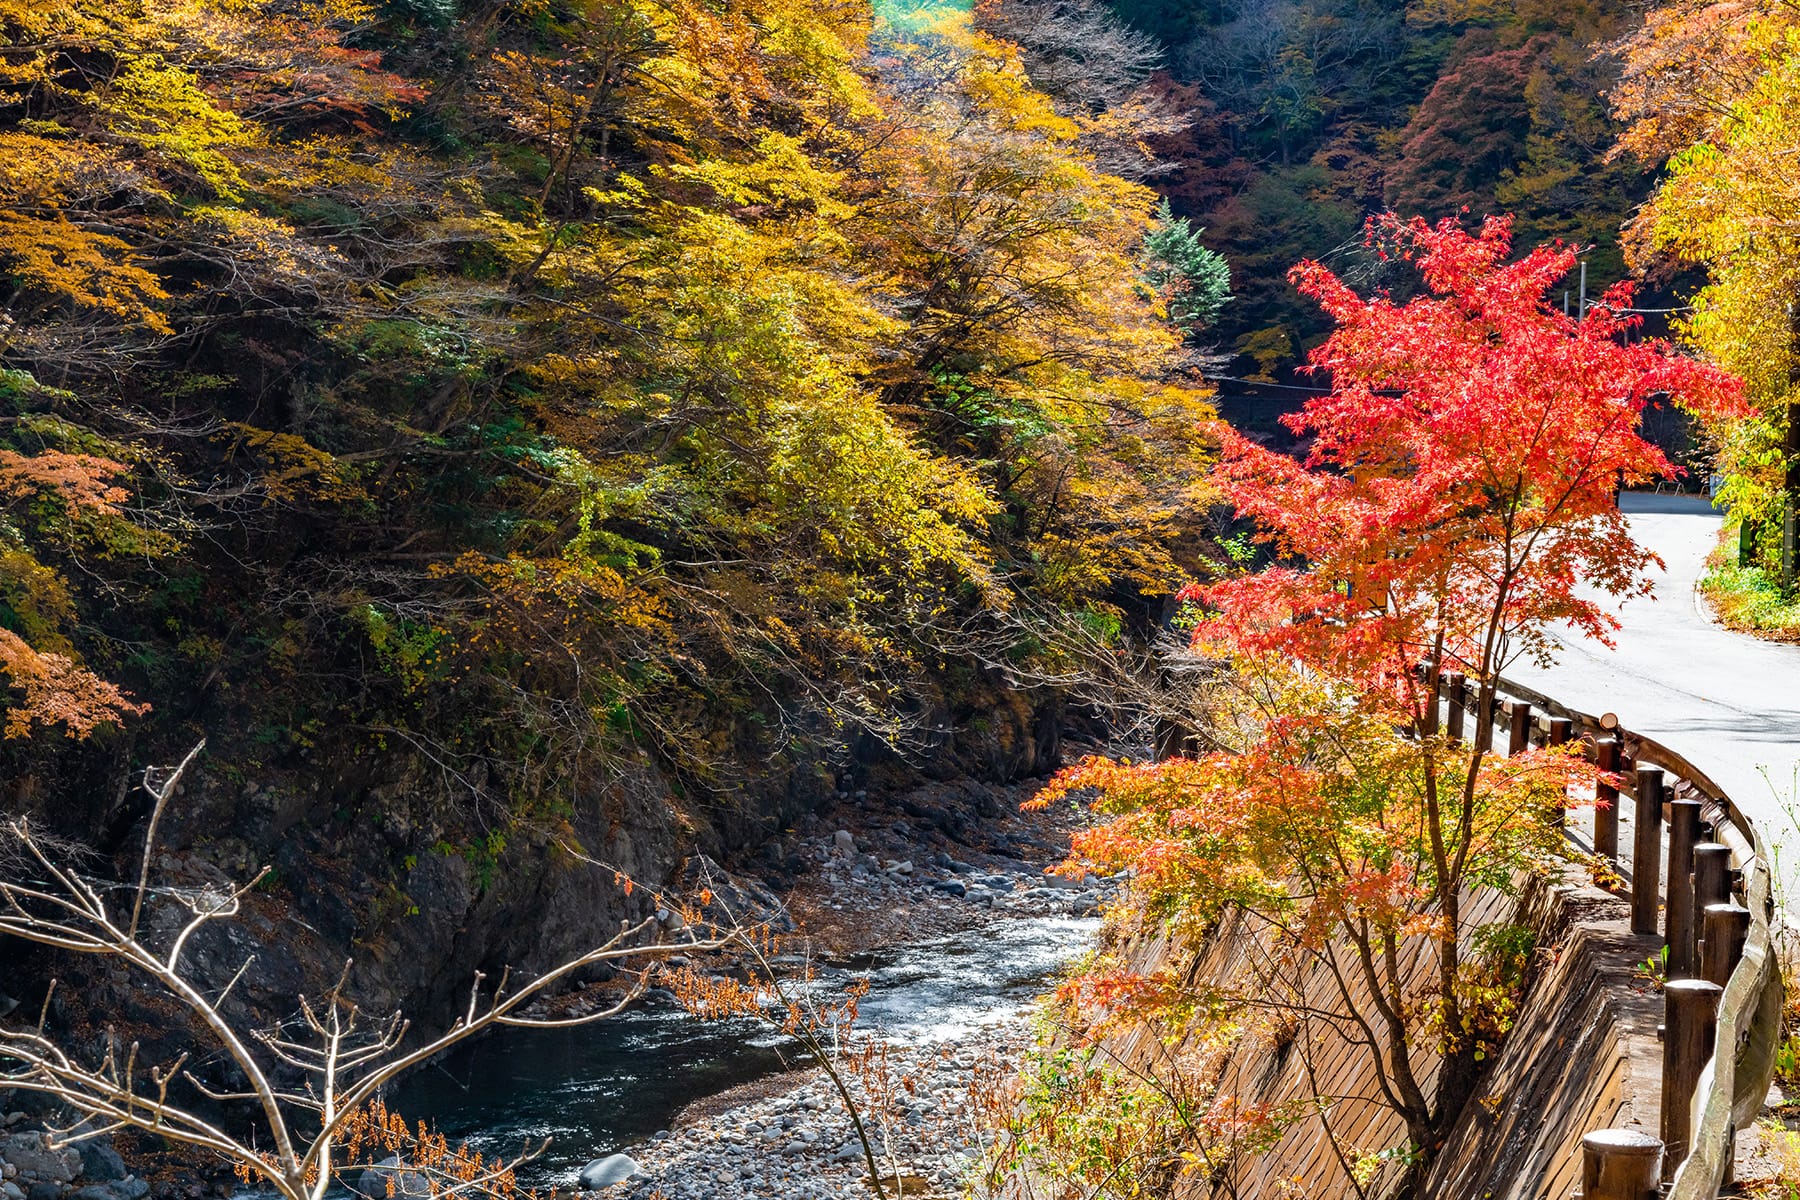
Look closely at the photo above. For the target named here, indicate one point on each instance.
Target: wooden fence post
(1557, 735)
(1620, 1164)
(1456, 691)
(1678, 913)
(1606, 801)
(1690, 1023)
(1712, 877)
(1725, 928)
(1646, 865)
(1519, 735)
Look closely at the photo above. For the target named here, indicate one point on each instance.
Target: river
(606, 1087)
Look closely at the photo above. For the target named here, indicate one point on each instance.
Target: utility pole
(1584, 289)
(1790, 449)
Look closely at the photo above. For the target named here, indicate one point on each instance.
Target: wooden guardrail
(1723, 989)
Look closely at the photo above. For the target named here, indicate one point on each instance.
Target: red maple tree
(1463, 470)
(1458, 500)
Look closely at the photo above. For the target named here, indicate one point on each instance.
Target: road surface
(1728, 702)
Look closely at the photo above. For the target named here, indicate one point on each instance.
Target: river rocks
(121, 1189)
(944, 867)
(734, 900)
(799, 1143)
(900, 880)
(35, 1158)
(605, 1172)
(100, 1163)
(390, 1177)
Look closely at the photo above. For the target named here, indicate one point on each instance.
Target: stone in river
(604, 1172)
(100, 1163)
(407, 1185)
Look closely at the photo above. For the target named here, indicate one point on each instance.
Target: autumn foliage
(564, 383)
(1462, 474)
(1712, 90)
(1457, 500)
(51, 689)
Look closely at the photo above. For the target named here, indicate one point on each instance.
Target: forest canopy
(549, 380)
(1306, 116)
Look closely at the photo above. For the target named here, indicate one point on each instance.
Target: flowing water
(600, 1088)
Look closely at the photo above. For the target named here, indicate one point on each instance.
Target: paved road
(1730, 703)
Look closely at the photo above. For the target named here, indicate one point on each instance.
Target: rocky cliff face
(423, 876)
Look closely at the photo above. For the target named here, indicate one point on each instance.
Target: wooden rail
(1724, 985)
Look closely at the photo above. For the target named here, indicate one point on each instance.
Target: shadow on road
(1668, 502)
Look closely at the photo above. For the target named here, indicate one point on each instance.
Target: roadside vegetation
(1749, 599)
(1712, 92)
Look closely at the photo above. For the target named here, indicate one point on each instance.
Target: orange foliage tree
(1459, 488)
(53, 688)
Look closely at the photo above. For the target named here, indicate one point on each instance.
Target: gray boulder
(844, 844)
(604, 1172)
(119, 1189)
(100, 1163)
(35, 1158)
(391, 1176)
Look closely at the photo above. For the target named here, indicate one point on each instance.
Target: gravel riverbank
(926, 1074)
(920, 1105)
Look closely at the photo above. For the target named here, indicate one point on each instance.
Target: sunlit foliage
(564, 382)
(1714, 89)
